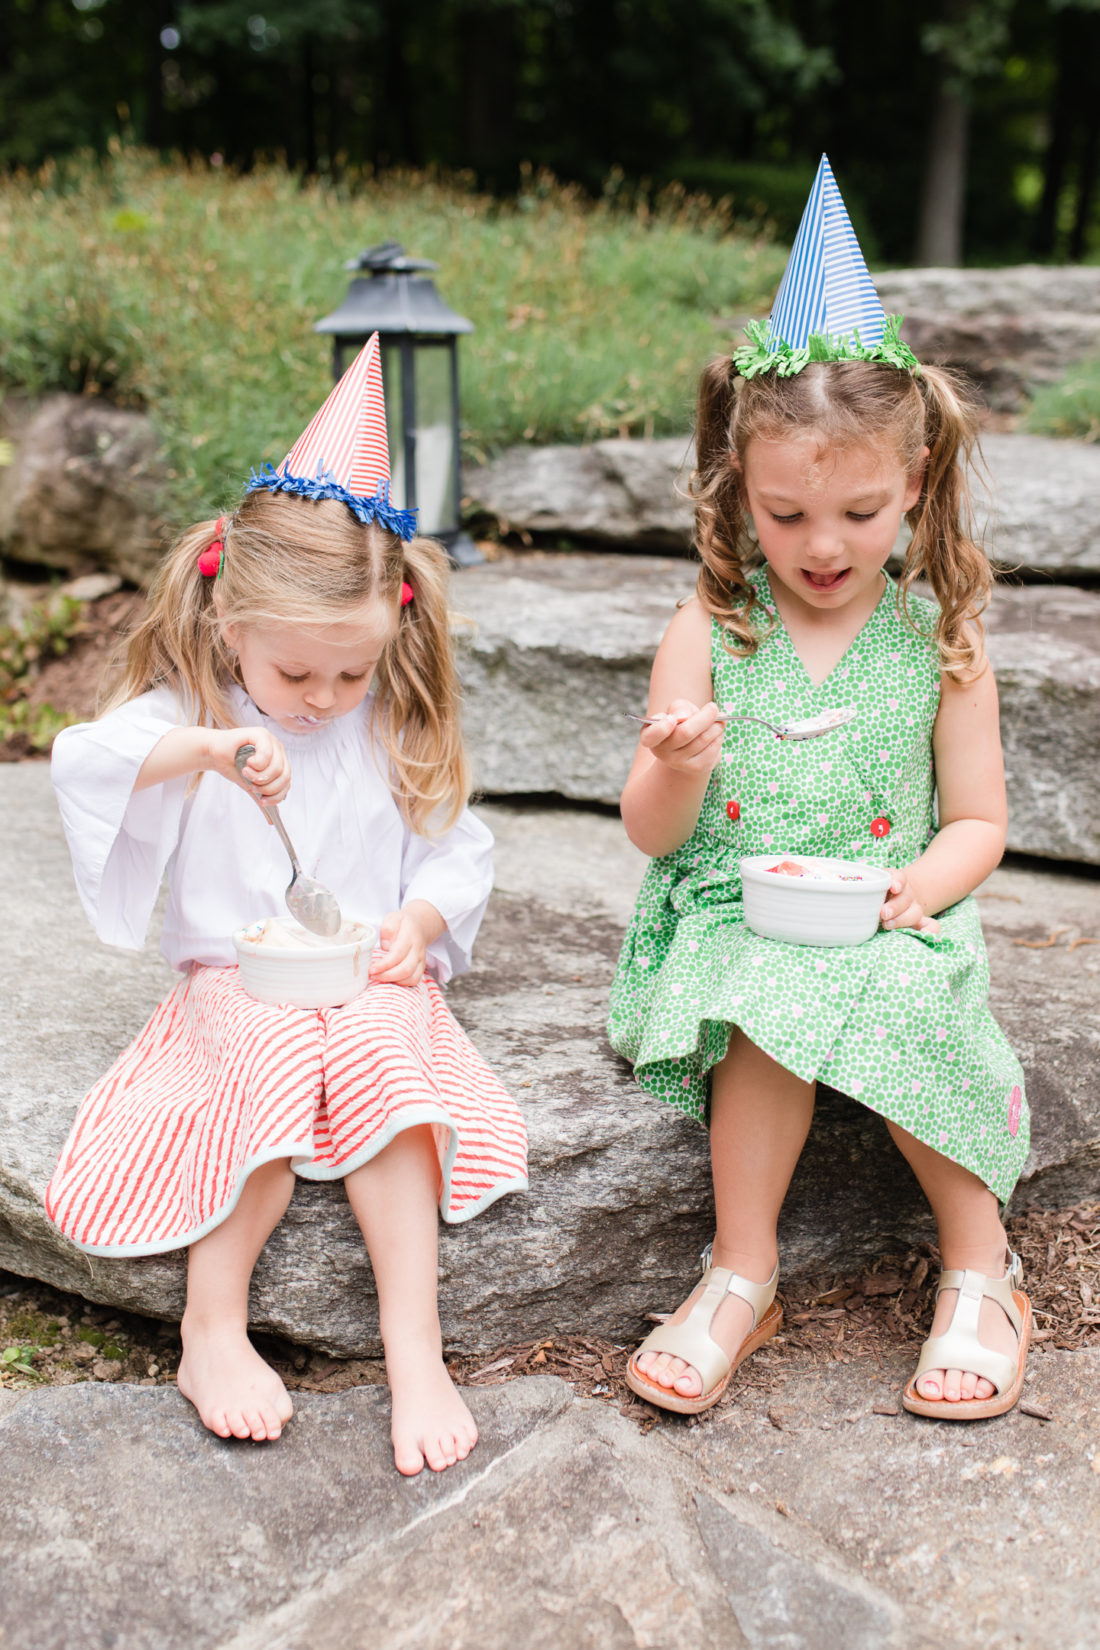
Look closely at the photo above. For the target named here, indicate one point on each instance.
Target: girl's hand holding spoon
(265, 775)
(685, 737)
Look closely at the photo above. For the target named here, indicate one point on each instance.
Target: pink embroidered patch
(1015, 1107)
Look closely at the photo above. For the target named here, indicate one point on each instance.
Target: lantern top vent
(392, 297)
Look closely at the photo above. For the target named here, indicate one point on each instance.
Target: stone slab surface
(620, 1201)
(792, 1517)
(560, 644)
(983, 1531)
(1037, 504)
(1012, 330)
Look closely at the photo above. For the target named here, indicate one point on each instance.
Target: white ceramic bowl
(324, 976)
(807, 912)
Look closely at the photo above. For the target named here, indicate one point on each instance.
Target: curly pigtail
(721, 535)
(942, 549)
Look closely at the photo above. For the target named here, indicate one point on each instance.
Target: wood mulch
(827, 1318)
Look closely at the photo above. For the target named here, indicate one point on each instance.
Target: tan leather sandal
(691, 1340)
(959, 1347)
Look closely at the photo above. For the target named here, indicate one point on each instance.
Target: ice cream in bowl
(808, 900)
(282, 962)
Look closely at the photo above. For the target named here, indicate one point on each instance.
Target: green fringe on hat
(764, 354)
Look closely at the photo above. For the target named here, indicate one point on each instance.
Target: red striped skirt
(218, 1084)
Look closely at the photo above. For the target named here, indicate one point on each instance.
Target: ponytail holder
(210, 560)
(407, 593)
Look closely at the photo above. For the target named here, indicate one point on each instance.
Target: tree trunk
(943, 195)
(1086, 187)
(1044, 234)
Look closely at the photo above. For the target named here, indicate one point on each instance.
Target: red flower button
(880, 826)
(733, 811)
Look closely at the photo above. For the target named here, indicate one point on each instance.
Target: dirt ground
(71, 683)
(47, 1337)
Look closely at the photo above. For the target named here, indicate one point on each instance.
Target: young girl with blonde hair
(814, 444)
(312, 625)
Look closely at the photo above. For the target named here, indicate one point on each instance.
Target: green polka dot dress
(901, 1022)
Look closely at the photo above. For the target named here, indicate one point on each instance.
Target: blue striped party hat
(826, 308)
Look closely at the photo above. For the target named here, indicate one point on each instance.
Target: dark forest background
(966, 129)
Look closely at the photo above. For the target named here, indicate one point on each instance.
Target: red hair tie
(407, 593)
(210, 560)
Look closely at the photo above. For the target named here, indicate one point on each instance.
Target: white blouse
(226, 865)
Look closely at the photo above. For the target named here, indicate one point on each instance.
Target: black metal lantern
(418, 336)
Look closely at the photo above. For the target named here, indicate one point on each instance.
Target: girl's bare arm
(665, 788)
(972, 805)
(199, 750)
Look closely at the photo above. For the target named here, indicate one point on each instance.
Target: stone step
(567, 1526)
(619, 1204)
(561, 643)
(1011, 330)
(1039, 509)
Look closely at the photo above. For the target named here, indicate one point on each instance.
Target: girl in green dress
(801, 486)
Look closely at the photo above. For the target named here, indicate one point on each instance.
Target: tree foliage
(737, 96)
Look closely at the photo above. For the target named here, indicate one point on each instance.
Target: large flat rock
(1011, 330)
(562, 643)
(1036, 509)
(620, 1188)
(567, 1529)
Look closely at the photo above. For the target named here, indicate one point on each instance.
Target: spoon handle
(648, 721)
(269, 808)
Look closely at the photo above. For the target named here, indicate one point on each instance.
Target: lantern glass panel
(395, 423)
(435, 437)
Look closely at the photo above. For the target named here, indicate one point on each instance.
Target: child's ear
(228, 632)
(738, 470)
(916, 479)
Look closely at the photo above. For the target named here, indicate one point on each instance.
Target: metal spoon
(811, 729)
(309, 901)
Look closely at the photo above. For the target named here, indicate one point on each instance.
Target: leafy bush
(192, 291)
(1071, 406)
(42, 633)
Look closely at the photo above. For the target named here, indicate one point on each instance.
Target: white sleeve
(120, 841)
(455, 874)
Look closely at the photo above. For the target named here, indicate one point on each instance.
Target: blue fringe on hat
(324, 485)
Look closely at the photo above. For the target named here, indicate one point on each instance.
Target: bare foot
(995, 1331)
(431, 1425)
(729, 1327)
(236, 1394)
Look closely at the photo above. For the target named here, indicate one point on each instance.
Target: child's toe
(440, 1454)
(408, 1459)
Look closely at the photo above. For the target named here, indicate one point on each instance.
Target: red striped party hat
(343, 453)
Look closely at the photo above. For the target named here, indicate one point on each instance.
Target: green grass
(1071, 406)
(192, 292)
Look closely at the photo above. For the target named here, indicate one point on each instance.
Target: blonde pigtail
(178, 641)
(942, 549)
(721, 529)
(418, 701)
